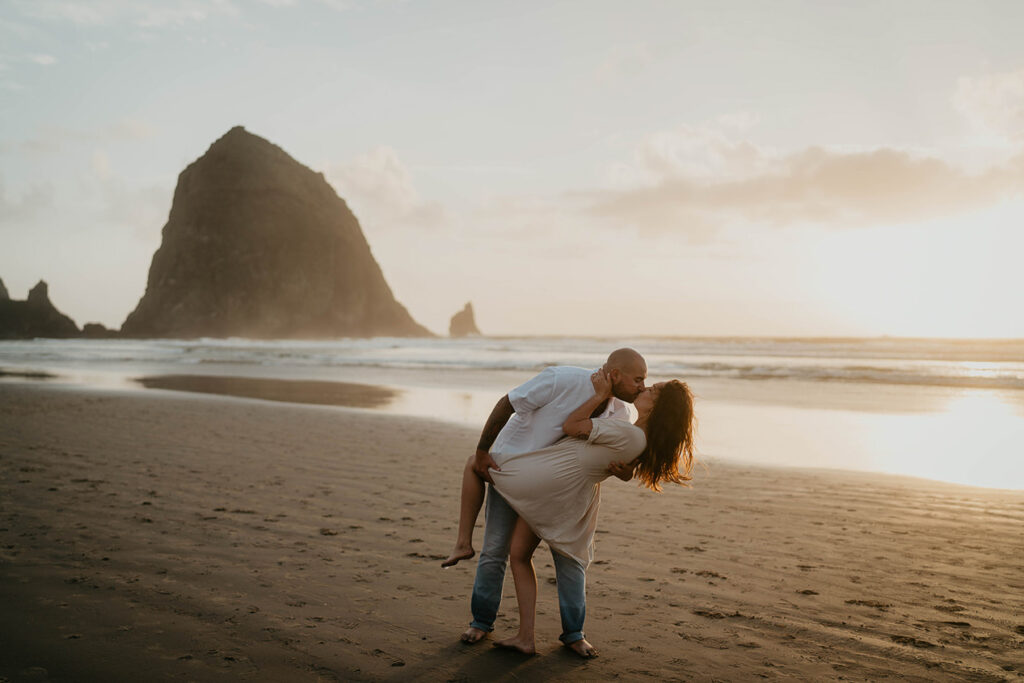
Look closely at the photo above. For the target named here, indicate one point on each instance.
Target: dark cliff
(258, 245)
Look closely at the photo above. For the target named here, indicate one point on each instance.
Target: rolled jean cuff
(570, 638)
(484, 627)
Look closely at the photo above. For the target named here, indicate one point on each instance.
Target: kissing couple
(543, 453)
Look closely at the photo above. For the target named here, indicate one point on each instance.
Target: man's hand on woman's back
(483, 463)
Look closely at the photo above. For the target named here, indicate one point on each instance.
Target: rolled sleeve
(604, 433)
(534, 393)
(617, 436)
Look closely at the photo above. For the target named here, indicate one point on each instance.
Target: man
(529, 418)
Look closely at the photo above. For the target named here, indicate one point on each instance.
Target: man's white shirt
(542, 405)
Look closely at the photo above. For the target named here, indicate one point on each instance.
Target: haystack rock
(34, 317)
(258, 245)
(463, 323)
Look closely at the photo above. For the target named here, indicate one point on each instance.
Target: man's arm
(483, 461)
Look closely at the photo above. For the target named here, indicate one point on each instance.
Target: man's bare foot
(473, 635)
(583, 648)
(524, 645)
(461, 552)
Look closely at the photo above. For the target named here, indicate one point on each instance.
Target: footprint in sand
(708, 614)
(883, 606)
(914, 642)
(710, 574)
(950, 608)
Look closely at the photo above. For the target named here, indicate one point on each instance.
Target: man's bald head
(627, 370)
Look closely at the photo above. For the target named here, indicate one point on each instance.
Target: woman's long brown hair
(670, 435)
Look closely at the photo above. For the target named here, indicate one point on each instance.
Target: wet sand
(285, 390)
(200, 537)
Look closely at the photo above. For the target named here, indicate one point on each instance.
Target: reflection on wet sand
(26, 374)
(291, 391)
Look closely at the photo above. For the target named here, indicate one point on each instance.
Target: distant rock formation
(98, 331)
(463, 323)
(34, 317)
(258, 245)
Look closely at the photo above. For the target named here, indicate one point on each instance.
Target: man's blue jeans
(490, 574)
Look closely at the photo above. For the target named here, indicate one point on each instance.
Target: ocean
(951, 410)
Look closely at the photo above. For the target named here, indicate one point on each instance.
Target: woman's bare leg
(469, 509)
(524, 542)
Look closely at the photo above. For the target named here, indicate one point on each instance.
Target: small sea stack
(463, 323)
(34, 317)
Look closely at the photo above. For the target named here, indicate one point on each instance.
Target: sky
(572, 168)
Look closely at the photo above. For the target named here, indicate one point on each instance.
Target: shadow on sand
(484, 662)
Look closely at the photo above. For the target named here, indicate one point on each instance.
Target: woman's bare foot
(461, 552)
(583, 648)
(524, 645)
(473, 635)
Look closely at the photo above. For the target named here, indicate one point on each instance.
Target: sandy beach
(200, 537)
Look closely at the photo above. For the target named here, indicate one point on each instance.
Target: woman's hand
(579, 424)
(622, 470)
(602, 384)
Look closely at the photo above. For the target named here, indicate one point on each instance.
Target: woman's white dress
(557, 489)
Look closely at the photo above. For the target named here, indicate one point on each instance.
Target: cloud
(337, 5)
(43, 60)
(146, 14)
(994, 103)
(123, 202)
(706, 152)
(17, 29)
(20, 210)
(380, 189)
(694, 181)
(143, 13)
(55, 138)
(624, 61)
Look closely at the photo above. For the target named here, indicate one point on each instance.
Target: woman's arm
(578, 423)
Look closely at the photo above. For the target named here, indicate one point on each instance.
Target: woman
(556, 490)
